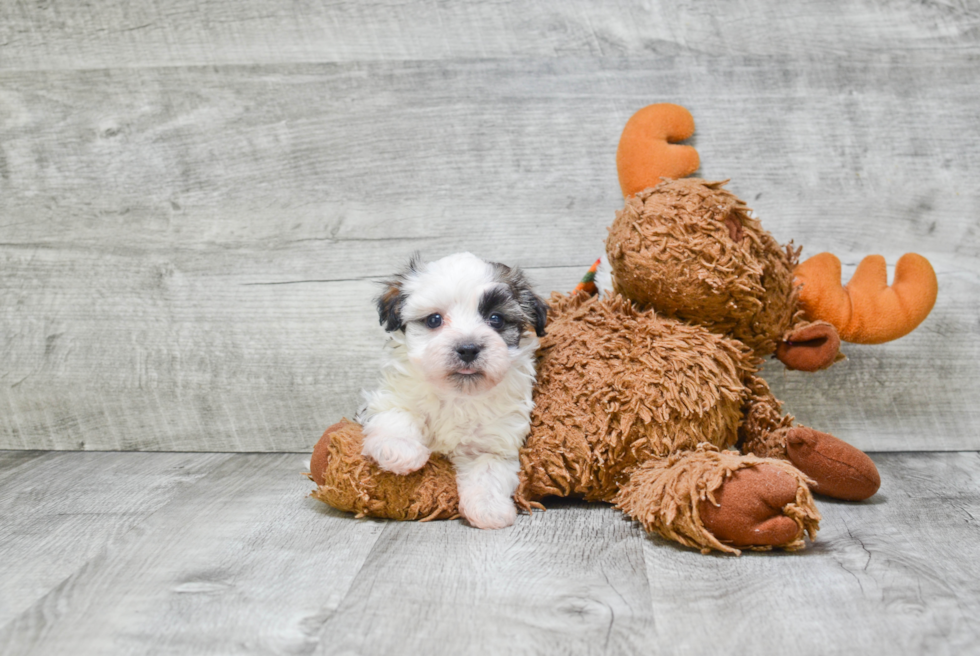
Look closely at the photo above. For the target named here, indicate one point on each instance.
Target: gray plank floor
(122, 553)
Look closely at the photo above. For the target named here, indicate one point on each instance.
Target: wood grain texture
(237, 561)
(187, 245)
(59, 510)
(894, 575)
(48, 35)
(240, 550)
(564, 582)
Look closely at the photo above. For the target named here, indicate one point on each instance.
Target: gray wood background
(197, 197)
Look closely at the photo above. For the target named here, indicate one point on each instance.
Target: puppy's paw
(399, 455)
(485, 510)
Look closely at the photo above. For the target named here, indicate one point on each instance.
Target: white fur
(603, 277)
(421, 407)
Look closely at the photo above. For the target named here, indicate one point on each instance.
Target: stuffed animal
(742, 282)
(642, 410)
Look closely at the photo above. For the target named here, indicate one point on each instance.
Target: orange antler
(868, 311)
(645, 154)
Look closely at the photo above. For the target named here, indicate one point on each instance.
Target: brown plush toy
(642, 410)
(742, 282)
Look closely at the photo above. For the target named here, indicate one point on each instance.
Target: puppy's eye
(433, 321)
(496, 321)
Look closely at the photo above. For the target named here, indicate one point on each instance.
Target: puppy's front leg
(393, 440)
(486, 485)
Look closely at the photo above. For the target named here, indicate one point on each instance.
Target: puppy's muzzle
(468, 352)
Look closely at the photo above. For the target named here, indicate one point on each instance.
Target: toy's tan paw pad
(749, 510)
(840, 470)
(321, 452)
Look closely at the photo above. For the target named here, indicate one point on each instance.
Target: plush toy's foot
(321, 453)
(749, 510)
(722, 500)
(839, 470)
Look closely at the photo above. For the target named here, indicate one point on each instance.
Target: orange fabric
(646, 152)
(867, 310)
(588, 281)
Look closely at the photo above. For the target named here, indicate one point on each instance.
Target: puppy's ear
(392, 299)
(390, 305)
(535, 310)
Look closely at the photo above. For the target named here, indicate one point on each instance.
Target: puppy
(458, 378)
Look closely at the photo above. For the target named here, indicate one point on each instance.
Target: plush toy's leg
(838, 469)
(722, 500)
(349, 481)
(763, 428)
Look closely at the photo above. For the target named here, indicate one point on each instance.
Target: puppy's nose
(467, 352)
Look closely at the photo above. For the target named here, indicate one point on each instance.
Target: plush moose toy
(641, 395)
(746, 285)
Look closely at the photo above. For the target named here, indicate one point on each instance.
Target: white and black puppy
(458, 378)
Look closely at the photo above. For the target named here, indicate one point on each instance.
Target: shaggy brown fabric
(617, 387)
(690, 249)
(762, 431)
(664, 495)
(354, 483)
(321, 452)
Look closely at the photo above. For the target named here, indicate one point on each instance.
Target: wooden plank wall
(197, 197)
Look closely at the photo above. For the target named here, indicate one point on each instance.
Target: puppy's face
(463, 319)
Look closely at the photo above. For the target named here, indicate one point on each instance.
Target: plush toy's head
(692, 250)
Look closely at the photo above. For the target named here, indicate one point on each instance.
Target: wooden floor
(131, 553)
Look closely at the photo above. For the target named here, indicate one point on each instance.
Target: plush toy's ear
(647, 152)
(392, 298)
(810, 347)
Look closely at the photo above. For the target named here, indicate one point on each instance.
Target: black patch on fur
(500, 300)
(392, 299)
(533, 309)
(496, 300)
